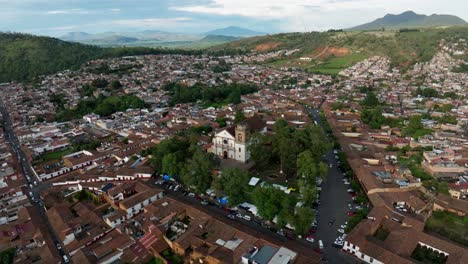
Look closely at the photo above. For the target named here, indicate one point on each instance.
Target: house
(231, 142)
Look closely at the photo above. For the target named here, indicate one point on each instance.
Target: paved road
(301, 246)
(33, 183)
(333, 207)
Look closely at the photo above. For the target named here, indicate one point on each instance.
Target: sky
(58, 17)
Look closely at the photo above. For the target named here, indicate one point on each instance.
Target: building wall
(353, 249)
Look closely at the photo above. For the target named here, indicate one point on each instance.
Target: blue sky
(57, 17)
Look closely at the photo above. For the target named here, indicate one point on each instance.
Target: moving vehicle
(320, 244)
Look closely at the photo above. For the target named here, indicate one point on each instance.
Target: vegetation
(462, 68)
(103, 106)
(56, 155)
(7, 256)
(404, 48)
(208, 95)
(355, 219)
(427, 255)
(172, 257)
(182, 158)
(24, 57)
(155, 260)
(233, 183)
(415, 128)
(439, 187)
(449, 225)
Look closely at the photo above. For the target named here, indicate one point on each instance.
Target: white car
(350, 190)
(341, 230)
(247, 217)
(331, 165)
(343, 226)
(310, 239)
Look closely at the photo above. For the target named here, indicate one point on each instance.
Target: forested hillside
(403, 47)
(23, 56)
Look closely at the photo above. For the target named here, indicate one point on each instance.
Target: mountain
(75, 36)
(331, 52)
(218, 39)
(410, 19)
(234, 32)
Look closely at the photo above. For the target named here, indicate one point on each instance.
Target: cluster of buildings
(103, 208)
(396, 225)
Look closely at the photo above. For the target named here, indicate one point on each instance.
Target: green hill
(24, 57)
(330, 52)
(409, 19)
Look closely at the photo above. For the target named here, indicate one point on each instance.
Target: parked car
(341, 230)
(239, 215)
(247, 217)
(231, 216)
(351, 213)
(343, 226)
(204, 202)
(191, 195)
(310, 239)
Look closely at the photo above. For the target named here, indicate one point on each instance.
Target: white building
(231, 143)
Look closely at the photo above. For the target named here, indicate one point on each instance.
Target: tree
(268, 200)
(116, 85)
(370, 100)
(306, 166)
(198, 171)
(414, 125)
(234, 183)
(284, 146)
(7, 256)
(260, 153)
(373, 117)
(221, 121)
(302, 220)
(308, 192)
(239, 116)
(99, 83)
(171, 164)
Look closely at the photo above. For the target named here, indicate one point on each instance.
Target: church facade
(232, 142)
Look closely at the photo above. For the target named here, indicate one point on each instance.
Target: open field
(449, 225)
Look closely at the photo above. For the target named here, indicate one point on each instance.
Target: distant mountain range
(410, 19)
(234, 32)
(160, 38)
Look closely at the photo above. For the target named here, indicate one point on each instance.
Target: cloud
(151, 22)
(67, 11)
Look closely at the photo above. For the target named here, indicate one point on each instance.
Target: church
(232, 142)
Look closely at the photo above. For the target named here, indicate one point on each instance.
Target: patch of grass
(449, 225)
(56, 155)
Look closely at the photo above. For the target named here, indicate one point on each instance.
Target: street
(333, 207)
(33, 183)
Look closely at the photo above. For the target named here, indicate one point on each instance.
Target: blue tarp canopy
(223, 200)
